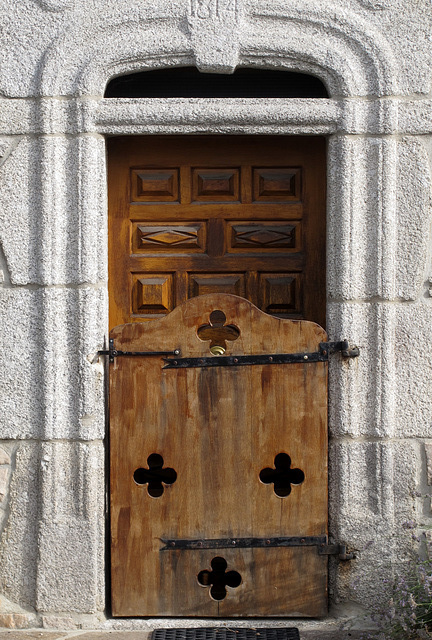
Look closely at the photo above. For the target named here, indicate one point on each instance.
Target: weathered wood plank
(218, 429)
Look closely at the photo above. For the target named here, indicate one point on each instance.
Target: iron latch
(114, 353)
(319, 542)
(344, 347)
(325, 348)
(339, 550)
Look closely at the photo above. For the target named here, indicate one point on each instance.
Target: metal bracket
(347, 350)
(325, 348)
(339, 550)
(114, 353)
(320, 542)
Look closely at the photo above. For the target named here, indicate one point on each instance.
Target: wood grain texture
(217, 428)
(194, 207)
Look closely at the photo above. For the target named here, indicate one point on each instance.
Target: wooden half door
(218, 473)
(193, 215)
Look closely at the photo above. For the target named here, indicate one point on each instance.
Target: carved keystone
(215, 34)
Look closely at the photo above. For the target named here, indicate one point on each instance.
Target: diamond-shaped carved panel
(201, 283)
(264, 236)
(172, 237)
(277, 184)
(152, 294)
(155, 185)
(280, 293)
(215, 185)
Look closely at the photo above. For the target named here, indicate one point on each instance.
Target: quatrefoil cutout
(282, 476)
(219, 578)
(217, 332)
(155, 476)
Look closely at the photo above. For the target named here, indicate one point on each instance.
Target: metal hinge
(339, 550)
(344, 347)
(325, 348)
(114, 353)
(319, 542)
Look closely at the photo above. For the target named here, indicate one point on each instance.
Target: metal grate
(223, 633)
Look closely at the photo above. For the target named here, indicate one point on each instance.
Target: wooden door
(193, 215)
(218, 473)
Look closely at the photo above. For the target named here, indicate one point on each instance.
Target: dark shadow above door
(188, 82)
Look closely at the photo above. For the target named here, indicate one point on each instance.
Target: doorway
(205, 457)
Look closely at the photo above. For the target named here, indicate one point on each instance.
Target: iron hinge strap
(325, 348)
(320, 542)
(114, 353)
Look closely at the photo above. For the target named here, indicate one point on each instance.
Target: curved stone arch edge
(352, 59)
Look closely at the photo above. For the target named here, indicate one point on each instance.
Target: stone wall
(57, 56)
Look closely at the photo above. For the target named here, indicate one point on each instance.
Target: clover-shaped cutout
(282, 476)
(155, 476)
(217, 332)
(219, 578)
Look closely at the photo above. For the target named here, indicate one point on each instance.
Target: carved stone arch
(348, 55)
(74, 67)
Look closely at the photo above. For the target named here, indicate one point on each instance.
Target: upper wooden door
(205, 214)
(218, 473)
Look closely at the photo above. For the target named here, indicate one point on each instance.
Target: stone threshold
(40, 634)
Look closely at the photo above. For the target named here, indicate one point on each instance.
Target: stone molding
(215, 32)
(123, 116)
(6, 453)
(361, 62)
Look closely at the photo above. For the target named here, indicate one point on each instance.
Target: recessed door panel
(234, 214)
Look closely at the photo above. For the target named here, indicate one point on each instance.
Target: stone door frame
(56, 140)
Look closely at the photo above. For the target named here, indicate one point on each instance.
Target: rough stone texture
(372, 487)
(59, 622)
(52, 546)
(362, 393)
(335, 634)
(53, 386)
(413, 341)
(4, 475)
(386, 391)
(18, 547)
(4, 456)
(383, 189)
(368, 54)
(428, 451)
(16, 620)
(359, 168)
(215, 30)
(230, 115)
(413, 184)
(35, 634)
(71, 532)
(74, 115)
(7, 452)
(48, 215)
